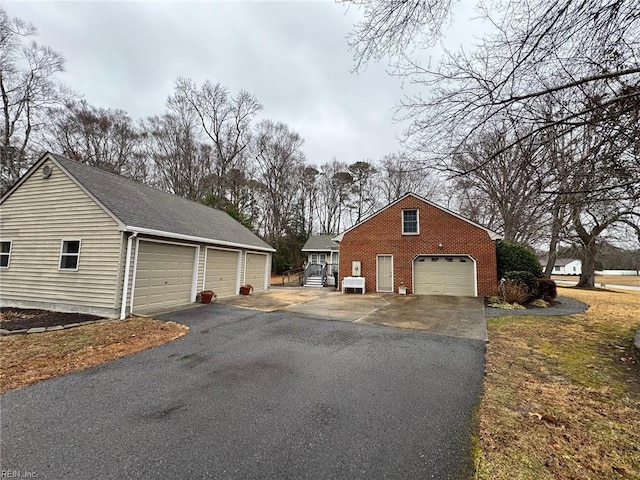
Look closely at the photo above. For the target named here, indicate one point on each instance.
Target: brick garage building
(425, 248)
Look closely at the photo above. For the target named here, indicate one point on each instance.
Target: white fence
(618, 272)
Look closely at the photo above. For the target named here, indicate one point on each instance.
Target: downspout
(127, 268)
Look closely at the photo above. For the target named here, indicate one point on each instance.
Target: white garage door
(222, 272)
(441, 275)
(164, 276)
(256, 270)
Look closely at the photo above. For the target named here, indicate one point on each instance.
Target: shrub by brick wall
(382, 235)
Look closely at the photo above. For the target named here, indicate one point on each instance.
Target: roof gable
(138, 207)
(492, 235)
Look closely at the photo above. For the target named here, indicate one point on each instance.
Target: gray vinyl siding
(36, 217)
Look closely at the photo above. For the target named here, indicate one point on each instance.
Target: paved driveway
(256, 395)
(462, 317)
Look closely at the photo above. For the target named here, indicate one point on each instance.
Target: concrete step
(313, 282)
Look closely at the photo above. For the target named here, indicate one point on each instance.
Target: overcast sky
(292, 56)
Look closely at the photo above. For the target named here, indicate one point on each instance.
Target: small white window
(70, 255)
(410, 222)
(5, 254)
(556, 268)
(323, 258)
(314, 258)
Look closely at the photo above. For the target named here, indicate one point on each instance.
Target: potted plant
(246, 289)
(207, 296)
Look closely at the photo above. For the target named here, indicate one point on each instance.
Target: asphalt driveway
(256, 395)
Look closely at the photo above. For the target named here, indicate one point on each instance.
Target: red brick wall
(382, 234)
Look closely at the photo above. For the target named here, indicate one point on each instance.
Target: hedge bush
(547, 289)
(513, 257)
(514, 291)
(528, 280)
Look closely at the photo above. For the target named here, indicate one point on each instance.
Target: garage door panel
(222, 272)
(164, 276)
(255, 271)
(439, 275)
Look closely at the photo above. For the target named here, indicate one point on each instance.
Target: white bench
(353, 282)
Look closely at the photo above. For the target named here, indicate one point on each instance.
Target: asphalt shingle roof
(140, 206)
(320, 242)
(560, 262)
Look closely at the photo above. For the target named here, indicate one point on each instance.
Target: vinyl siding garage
(222, 272)
(256, 271)
(164, 276)
(113, 246)
(444, 275)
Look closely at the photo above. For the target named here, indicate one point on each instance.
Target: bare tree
(277, 151)
(504, 195)
(603, 191)
(308, 200)
(334, 189)
(225, 120)
(398, 174)
(105, 138)
(396, 27)
(28, 87)
(363, 198)
(181, 163)
(538, 54)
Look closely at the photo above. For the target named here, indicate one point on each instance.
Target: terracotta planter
(245, 290)
(207, 296)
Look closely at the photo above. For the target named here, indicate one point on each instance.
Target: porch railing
(322, 270)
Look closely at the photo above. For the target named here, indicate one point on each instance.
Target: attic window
(70, 255)
(410, 223)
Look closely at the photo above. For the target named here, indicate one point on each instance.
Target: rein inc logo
(18, 474)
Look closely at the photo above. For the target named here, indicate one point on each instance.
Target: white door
(256, 271)
(384, 273)
(442, 275)
(221, 274)
(164, 276)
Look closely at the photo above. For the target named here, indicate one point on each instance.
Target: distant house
(564, 266)
(75, 238)
(322, 259)
(416, 246)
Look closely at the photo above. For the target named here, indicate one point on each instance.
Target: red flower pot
(207, 295)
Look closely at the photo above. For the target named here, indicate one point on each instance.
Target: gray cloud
(292, 55)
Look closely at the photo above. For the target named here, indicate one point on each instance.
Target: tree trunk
(588, 275)
(553, 244)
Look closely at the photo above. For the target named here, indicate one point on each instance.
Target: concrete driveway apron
(462, 317)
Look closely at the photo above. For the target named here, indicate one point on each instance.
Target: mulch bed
(528, 306)
(19, 319)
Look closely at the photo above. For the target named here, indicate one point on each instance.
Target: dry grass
(561, 397)
(284, 280)
(606, 279)
(27, 359)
